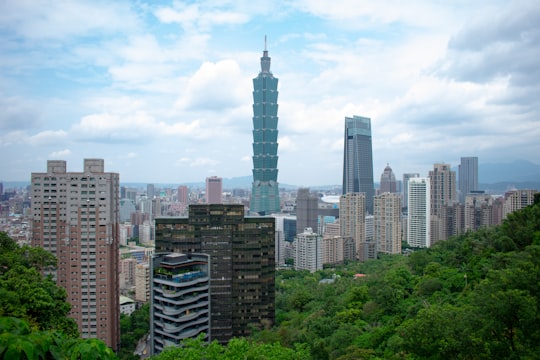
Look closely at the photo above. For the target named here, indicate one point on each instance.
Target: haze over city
(163, 90)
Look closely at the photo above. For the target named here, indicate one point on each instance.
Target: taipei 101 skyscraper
(265, 190)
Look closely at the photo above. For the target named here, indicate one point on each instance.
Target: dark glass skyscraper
(358, 159)
(242, 264)
(265, 191)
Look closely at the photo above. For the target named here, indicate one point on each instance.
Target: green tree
(26, 294)
(19, 341)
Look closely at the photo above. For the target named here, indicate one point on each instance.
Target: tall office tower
(388, 181)
(387, 223)
(265, 189)
(307, 206)
(308, 251)
(180, 299)
(352, 210)
(242, 270)
(468, 176)
(418, 218)
(183, 195)
(75, 216)
(214, 190)
(358, 159)
(150, 191)
(517, 199)
(443, 193)
(406, 178)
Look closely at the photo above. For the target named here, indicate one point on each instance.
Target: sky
(162, 90)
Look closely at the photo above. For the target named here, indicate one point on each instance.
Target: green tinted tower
(265, 190)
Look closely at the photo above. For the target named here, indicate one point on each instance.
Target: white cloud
(215, 86)
(58, 20)
(286, 144)
(107, 127)
(193, 16)
(197, 162)
(48, 137)
(59, 154)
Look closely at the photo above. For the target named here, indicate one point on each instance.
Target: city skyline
(166, 93)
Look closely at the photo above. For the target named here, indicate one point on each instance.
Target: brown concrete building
(75, 216)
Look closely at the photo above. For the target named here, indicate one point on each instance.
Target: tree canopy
(33, 310)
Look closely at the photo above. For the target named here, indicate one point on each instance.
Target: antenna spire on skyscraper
(265, 60)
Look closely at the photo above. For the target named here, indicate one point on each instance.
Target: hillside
(472, 297)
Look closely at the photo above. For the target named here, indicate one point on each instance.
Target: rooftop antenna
(265, 43)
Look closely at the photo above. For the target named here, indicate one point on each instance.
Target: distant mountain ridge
(516, 171)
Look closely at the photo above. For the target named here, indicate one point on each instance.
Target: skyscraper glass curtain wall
(265, 191)
(358, 159)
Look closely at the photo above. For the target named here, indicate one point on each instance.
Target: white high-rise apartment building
(418, 227)
(387, 223)
(75, 216)
(308, 248)
(352, 211)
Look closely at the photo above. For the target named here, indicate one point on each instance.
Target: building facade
(388, 181)
(180, 299)
(387, 223)
(418, 218)
(333, 252)
(142, 282)
(352, 221)
(75, 216)
(242, 257)
(307, 206)
(358, 159)
(481, 210)
(517, 199)
(214, 190)
(406, 178)
(265, 188)
(443, 194)
(468, 176)
(308, 251)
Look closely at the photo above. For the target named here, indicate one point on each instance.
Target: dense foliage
(196, 349)
(474, 296)
(133, 328)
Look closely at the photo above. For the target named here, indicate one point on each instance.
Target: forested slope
(474, 296)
